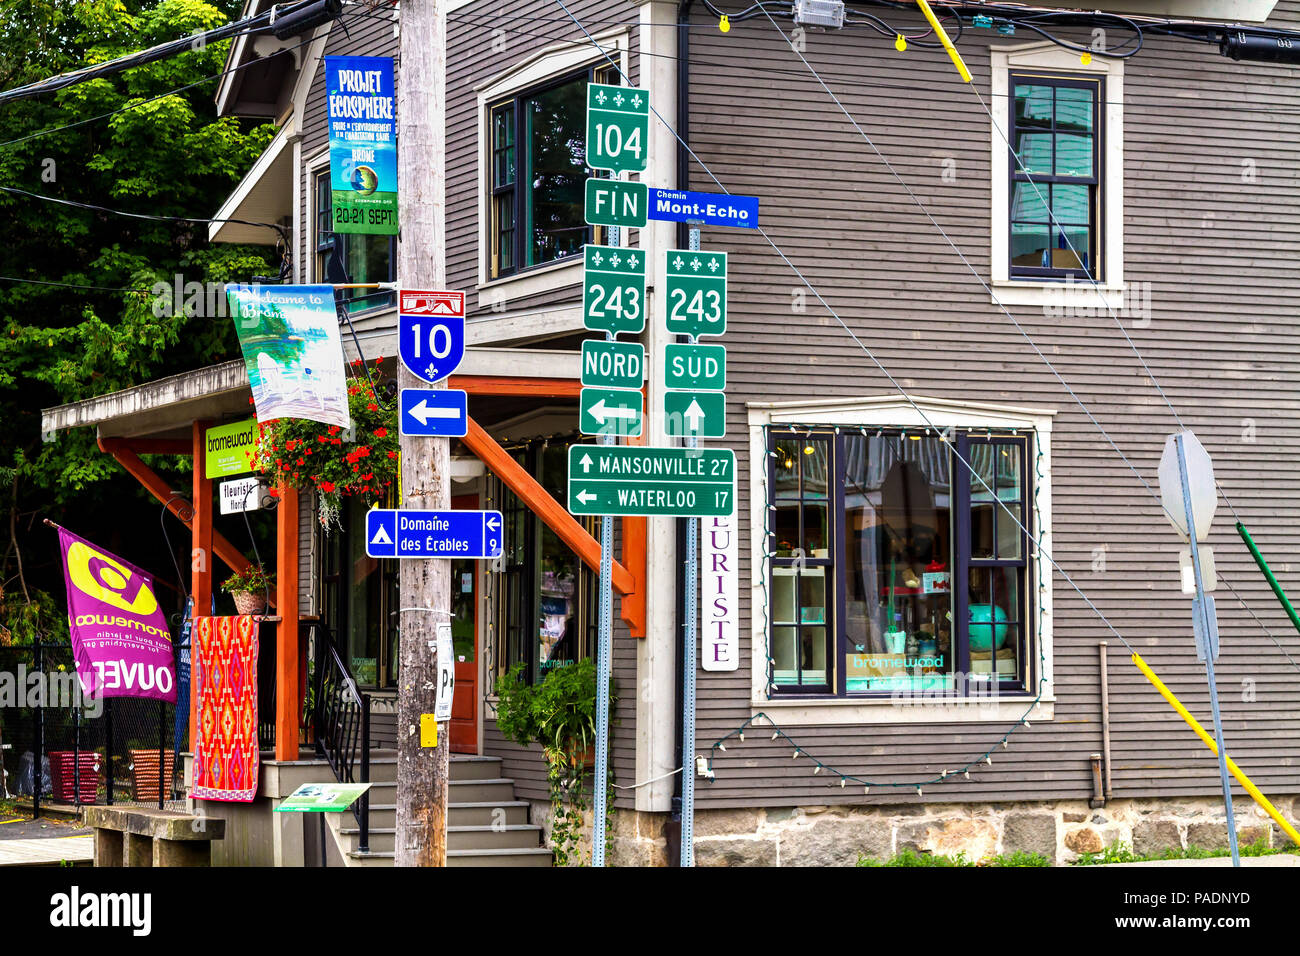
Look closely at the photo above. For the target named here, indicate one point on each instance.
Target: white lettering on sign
(720, 611)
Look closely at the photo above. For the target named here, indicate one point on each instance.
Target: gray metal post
(1208, 627)
(604, 664)
(689, 657)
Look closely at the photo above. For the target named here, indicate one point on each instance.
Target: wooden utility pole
(425, 584)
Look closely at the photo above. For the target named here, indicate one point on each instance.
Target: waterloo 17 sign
(697, 292)
(618, 127)
(610, 202)
(629, 480)
(363, 144)
(613, 289)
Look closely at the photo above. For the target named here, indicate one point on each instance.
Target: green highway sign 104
(618, 127)
(613, 364)
(610, 202)
(613, 289)
(610, 411)
(694, 367)
(697, 292)
(695, 414)
(629, 480)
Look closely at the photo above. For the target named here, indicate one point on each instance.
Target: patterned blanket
(224, 686)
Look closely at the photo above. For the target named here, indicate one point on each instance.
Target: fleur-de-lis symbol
(713, 265)
(632, 262)
(597, 258)
(431, 370)
(601, 97)
(618, 99)
(677, 263)
(615, 259)
(695, 263)
(636, 100)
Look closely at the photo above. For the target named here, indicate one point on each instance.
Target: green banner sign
(695, 414)
(654, 482)
(613, 289)
(613, 203)
(228, 449)
(322, 797)
(360, 105)
(613, 364)
(618, 127)
(697, 292)
(696, 367)
(610, 411)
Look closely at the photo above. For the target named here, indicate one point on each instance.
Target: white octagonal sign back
(1200, 482)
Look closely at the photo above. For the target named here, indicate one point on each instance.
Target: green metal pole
(1268, 573)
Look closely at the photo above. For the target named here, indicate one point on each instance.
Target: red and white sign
(415, 302)
(719, 608)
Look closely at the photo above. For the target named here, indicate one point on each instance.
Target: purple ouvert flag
(120, 640)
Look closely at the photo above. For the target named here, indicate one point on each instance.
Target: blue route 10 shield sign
(431, 333)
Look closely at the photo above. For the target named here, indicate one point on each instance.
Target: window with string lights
(900, 562)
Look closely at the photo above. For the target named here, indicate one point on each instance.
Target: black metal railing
(341, 719)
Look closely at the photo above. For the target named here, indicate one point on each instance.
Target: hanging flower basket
(334, 462)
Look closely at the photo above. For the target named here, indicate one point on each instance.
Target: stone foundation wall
(837, 836)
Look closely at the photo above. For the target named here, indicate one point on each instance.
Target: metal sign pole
(1204, 609)
(604, 653)
(689, 655)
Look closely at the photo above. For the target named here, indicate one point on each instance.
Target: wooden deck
(77, 850)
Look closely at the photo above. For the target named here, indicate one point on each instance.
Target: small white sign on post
(719, 579)
(241, 494)
(446, 674)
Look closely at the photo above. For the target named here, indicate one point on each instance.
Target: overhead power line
(283, 233)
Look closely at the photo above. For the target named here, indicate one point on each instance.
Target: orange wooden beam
(539, 500)
(634, 558)
(288, 689)
(527, 387)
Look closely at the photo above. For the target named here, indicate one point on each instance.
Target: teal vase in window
(987, 627)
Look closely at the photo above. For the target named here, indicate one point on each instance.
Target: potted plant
(335, 463)
(249, 589)
(559, 713)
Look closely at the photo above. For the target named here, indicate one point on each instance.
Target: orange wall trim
(540, 502)
(502, 385)
(288, 686)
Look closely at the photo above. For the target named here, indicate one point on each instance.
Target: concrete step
(538, 857)
(520, 837)
(487, 814)
(381, 838)
(468, 767)
(499, 790)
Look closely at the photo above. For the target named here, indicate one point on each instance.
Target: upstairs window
(363, 258)
(1056, 222)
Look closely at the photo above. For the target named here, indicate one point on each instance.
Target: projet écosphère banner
(363, 143)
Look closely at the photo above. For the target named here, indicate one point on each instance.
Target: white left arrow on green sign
(610, 411)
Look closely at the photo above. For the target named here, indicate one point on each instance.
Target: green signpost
(652, 482)
(696, 292)
(613, 364)
(228, 449)
(611, 202)
(613, 289)
(618, 127)
(610, 411)
(695, 414)
(695, 367)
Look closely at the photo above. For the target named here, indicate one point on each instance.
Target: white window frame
(552, 61)
(883, 412)
(1109, 291)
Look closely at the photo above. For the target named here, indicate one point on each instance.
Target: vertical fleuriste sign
(289, 335)
(720, 610)
(363, 143)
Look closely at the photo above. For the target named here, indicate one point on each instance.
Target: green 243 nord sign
(613, 289)
(697, 292)
(654, 482)
(618, 127)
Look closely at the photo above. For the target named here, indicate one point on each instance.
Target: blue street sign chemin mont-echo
(411, 533)
(711, 209)
(431, 332)
(438, 412)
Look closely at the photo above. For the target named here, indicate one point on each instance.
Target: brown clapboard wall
(472, 61)
(1219, 255)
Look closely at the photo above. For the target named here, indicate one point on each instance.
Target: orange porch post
(288, 699)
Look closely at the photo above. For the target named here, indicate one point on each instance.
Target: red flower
(392, 454)
(363, 451)
(275, 492)
(368, 477)
(322, 438)
(381, 432)
(289, 445)
(356, 467)
(301, 462)
(337, 441)
(334, 429)
(250, 399)
(372, 407)
(327, 486)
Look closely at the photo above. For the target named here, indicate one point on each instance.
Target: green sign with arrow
(695, 414)
(652, 482)
(610, 411)
(697, 292)
(613, 289)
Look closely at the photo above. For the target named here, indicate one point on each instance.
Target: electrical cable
(72, 285)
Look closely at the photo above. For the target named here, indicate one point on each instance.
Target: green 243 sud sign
(227, 449)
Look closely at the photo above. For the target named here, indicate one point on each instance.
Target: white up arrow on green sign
(618, 127)
(613, 364)
(610, 202)
(695, 367)
(695, 414)
(613, 289)
(610, 411)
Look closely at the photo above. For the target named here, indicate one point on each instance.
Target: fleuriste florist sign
(289, 335)
(363, 144)
(120, 642)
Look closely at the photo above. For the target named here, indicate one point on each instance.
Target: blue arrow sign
(431, 346)
(411, 533)
(434, 411)
(712, 209)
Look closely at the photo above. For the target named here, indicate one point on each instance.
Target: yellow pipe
(943, 38)
(1192, 722)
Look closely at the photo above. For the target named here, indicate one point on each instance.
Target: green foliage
(255, 580)
(169, 155)
(910, 857)
(1120, 852)
(1018, 858)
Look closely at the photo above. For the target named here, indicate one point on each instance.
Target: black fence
(60, 749)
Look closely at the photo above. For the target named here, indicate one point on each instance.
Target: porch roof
(167, 408)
